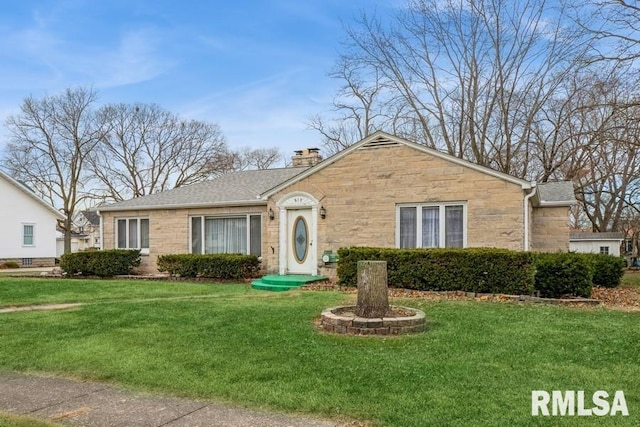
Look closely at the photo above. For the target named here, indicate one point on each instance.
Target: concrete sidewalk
(100, 405)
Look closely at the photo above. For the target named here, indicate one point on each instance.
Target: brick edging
(354, 325)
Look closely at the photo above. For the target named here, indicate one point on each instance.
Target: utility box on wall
(329, 257)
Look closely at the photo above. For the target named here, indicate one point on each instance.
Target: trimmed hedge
(485, 270)
(215, 266)
(563, 274)
(106, 263)
(608, 269)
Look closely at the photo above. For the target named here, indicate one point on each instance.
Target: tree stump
(373, 300)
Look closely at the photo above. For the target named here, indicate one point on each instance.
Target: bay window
(431, 225)
(233, 234)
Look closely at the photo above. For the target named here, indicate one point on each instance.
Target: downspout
(526, 215)
(101, 231)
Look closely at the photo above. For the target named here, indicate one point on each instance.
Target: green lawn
(476, 365)
(25, 291)
(631, 279)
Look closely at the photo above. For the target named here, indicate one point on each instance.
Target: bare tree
(49, 141)
(606, 170)
(256, 158)
(149, 149)
(567, 129)
(630, 228)
(615, 26)
(469, 77)
(357, 105)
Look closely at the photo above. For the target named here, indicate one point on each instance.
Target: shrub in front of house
(9, 264)
(563, 274)
(183, 265)
(107, 263)
(214, 266)
(608, 269)
(484, 270)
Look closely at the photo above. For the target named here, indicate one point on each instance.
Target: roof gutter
(525, 205)
(596, 239)
(557, 204)
(185, 206)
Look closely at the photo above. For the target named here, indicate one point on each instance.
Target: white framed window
(239, 234)
(28, 234)
(133, 233)
(27, 262)
(604, 250)
(431, 225)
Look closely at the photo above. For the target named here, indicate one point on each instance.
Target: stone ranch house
(383, 191)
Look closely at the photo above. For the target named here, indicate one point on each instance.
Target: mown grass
(476, 365)
(631, 279)
(26, 291)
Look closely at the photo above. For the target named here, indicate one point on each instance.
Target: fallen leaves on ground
(621, 298)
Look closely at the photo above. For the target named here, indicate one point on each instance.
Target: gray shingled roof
(596, 236)
(92, 217)
(235, 188)
(556, 193)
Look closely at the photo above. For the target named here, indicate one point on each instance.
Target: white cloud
(136, 59)
(268, 112)
(39, 55)
(191, 67)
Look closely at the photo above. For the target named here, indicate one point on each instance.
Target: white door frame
(297, 200)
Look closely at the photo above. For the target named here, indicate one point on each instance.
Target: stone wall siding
(169, 229)
(360, 193)
(550, 229)
(35, 262)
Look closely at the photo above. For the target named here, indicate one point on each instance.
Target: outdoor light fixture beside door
(271, 214)
(323, 212)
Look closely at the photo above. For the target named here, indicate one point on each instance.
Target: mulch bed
(620, 298)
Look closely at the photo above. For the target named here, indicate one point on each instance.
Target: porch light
(323, 212)
(271, 214)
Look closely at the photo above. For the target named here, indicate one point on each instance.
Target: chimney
(306, 157)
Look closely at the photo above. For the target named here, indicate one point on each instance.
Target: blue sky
(256, 68)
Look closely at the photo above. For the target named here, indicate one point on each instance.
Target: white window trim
(442, 225)
(143, 251)
(33, 235)
(247, 217)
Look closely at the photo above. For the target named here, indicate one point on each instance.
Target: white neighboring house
(88, 223)
(85, 234)
(27, 224)
(598, 243)
(79, 242)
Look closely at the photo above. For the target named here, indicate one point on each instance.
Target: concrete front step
(258, 284)
(285, 282)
